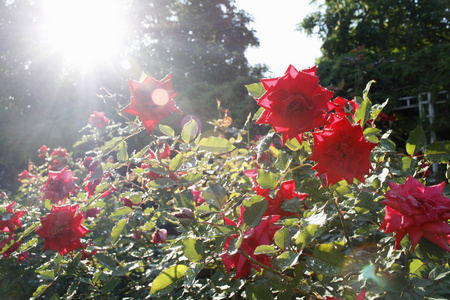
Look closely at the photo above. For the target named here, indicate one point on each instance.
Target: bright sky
(280, 44)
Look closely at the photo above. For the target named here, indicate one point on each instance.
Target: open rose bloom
(253, 237)
(152, 100)
(294, 103)
(419, 211)
(341, 152)
(62, 229)
(59, 186)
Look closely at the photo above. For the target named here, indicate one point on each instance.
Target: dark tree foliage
(394, 41)
(403, 45)
(44, 101)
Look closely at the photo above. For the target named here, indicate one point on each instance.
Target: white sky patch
(280, 44)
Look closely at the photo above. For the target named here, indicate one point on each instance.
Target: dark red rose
(58, 159)
(198, 199)
(285, 193)
(91, 213)
(345, 108)
(341, 152)
(23, 256)
(159, 236)
(9, 222)
(98, 119)
(253, 237)
(127, 202)
(62, 229)
(43, 151)
(419, 211)
(90, 164)
(12, 246)
(152, 100)
(25, 175)
(59, 186)
(294, 103)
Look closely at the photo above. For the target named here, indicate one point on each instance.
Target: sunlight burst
(84, 31)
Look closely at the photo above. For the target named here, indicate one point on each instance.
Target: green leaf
(256, 90)
(363, 112)
(193, 249)
(215, 194)
(258, 292)
(283, 161)
(286, 260)
(176, 162)
(264, 249)
(415, 141)
(282, 238)
(120, 212)
(254, 213)
(40, 290)
(190, 178)
(215, 145)
(327, 260)
(106, 261)
(167, 278)
(162, 183)
(308, 235)
(190, 130)
(117, 230)
(122, 155)
(266, 180)
(167, 130)
(438, 152)
(293, 144)
(111, 284)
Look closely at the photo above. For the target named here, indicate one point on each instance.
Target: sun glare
(83, 31)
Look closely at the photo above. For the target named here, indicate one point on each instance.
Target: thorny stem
(294, 168)
(347, 237)
(341, 218)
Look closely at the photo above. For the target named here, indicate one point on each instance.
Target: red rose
(59, 186)
(127, 202)
(253, 237)
(24, 175)
(159, 236)
(9, 223)
(286, 192)
(419, 211)
(62, 229)
(152, 100)
(58, 159)
(43, 151)
(341, 152)
(91, 213)
(294, 103)
(198, 199)
(345, 108)
(98, 119)
(13, 247)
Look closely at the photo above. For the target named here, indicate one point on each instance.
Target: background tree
(402, 44)
(45, 101)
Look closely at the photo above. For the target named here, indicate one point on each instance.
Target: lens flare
(160, 97)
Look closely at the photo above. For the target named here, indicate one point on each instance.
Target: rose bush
(307, 211)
